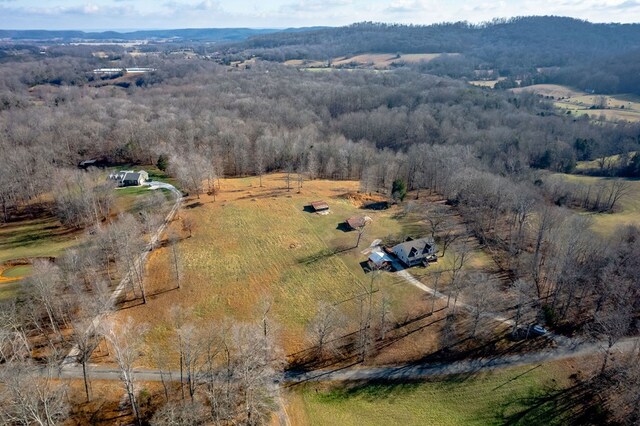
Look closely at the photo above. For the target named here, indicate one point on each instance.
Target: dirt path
(71, 359)
(406, 275)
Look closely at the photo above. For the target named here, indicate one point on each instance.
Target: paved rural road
(398, 372)
(71, 359)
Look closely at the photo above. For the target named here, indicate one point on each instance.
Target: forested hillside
(599, 57)
(517, 240)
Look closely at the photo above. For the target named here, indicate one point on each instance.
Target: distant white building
(114, 71)
(108, 71)
(129, 177)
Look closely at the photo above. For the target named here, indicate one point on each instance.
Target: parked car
(538, 330)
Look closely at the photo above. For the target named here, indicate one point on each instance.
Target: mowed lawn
(34, 238)
(627, 213)
(253, 245)
(528, 395)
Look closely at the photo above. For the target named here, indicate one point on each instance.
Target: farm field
(618, 107)
(524, 395)
(253, 246)
(629, 212)
(487, 83)
(375, 60)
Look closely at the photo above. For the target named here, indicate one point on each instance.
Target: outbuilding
(320, 206)
(380, 260)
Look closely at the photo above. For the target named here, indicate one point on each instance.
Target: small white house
(417, 251)
(130, 178)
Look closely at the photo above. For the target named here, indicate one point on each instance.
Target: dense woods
(338, 125)
(493, 156)
(599, 57)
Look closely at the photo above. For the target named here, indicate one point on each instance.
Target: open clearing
(594, 165)
(523, 395)
(258, 245)
(629, 209)
(616, 107)
(487, 83)
(374, 60)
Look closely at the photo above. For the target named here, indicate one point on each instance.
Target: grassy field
(617, 107)
(487, 83)
(594, 164)
(42, 237)
(255, 244)
(629, 211)
(374, 60)
(252, 245)
(531, 395)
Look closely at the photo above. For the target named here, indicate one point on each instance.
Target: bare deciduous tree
(30, 395)
(126, 340)
(324, 327)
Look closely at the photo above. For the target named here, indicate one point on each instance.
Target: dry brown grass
(555, 90)
(375, 60)
(255, 244)
(109, 404)
(384, 60)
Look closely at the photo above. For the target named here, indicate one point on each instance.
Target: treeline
(525, 48)
(273, 118)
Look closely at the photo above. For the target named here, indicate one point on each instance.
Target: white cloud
(92, 14)
(314, 5)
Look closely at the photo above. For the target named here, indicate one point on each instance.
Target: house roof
(357, 221)
(419, 246)
(320, 205)
(131, 176)
(378, 257)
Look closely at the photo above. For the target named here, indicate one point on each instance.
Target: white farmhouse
(416, 251)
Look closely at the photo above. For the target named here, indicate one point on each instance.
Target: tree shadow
(552, 405)
(380, 205)
(322, 254)
(344, 227)
(194, 205)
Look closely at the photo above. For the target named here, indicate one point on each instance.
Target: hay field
(375, 60)
(256, 244)
(555, 90)
(384, 60)
(624, 107)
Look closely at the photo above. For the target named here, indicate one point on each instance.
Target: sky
(157, 14)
